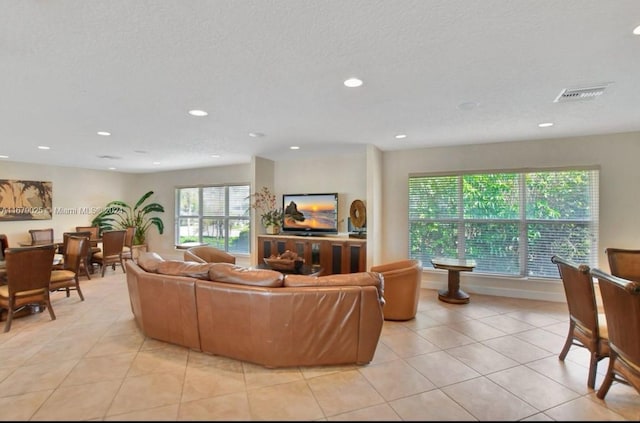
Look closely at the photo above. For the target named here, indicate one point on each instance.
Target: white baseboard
(531, 289)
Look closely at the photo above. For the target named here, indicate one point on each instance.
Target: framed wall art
(25, 200)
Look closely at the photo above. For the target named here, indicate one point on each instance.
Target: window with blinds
(510, 223)
(217, 215)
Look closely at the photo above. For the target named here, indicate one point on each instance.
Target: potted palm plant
(120, 215)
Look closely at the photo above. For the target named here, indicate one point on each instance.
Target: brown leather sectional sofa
(259, 316)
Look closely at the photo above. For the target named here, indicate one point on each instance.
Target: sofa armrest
(164, 306)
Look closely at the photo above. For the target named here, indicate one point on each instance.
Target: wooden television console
(335, 254)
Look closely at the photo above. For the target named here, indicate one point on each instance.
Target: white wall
(374, 206)
(74, 190)
(164, 184)
(345, 175)
(262, 173)
(619, 203)
(348, 175)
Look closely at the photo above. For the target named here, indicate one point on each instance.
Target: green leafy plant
(120, 215)
(265, 203)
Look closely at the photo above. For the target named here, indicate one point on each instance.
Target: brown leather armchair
(208, 254)
(401, 288)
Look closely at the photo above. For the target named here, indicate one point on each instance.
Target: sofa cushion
(340, 279)
(230, 273)
(189, 269)
(149, 261)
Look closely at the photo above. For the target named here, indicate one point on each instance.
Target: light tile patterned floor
(492, 359)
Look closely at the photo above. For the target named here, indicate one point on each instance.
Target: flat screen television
(310, 214)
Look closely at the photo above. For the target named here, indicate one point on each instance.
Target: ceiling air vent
(108, 157)
(580, 94)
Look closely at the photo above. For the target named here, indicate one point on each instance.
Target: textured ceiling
(70, 68)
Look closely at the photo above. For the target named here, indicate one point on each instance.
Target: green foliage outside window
(511, 223)
(215, 215)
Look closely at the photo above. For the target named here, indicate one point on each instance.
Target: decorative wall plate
(358, 214)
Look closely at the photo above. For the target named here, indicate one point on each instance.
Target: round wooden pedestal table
(453, 294)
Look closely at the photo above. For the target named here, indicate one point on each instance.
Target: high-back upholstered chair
(28, 274)
(621, 301)
(85, 262)
(4, 244)
(208, 254)
(624, 263)
(76, 250)
(111, 254)
(93, 230)
(402, 280)
(95, 236)
(41, 236)
(127, 249)
(587, 328)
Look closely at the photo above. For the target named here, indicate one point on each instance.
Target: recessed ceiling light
(112, 168)
(401, 136)
(2, 156)
(104, 133)
(636, 31)
(353, 82)
(43, 147)
(215, 156)
(156, 163)
(256, 134)
(545, 124)
(294, 147)
(198, 113)
(468, 105)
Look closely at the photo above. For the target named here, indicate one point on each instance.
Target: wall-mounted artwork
(25, 200)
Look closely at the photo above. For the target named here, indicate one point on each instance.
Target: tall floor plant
(120, 215)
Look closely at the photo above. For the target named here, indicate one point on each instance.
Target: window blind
(510, 223)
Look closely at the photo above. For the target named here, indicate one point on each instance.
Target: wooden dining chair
(85, 262)
(111, 254)
(127, 249)
(28, 275)
(67, 278)
(95, 236)
(41, 236)
(624, 263)
(587, 328)
(4, 244)
(621, 302)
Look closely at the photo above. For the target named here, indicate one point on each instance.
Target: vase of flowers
(264, 202)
